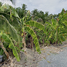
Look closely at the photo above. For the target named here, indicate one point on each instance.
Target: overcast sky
(52, 6)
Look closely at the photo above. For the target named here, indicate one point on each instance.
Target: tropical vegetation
(16, 24)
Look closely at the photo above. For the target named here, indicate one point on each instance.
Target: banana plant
(6, 38)
(27, 26)
(8, 32)
(11, 33)
(57, 29)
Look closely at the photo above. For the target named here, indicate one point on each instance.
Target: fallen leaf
(48, 61)
(44, 58)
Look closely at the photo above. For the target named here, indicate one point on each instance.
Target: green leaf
(7, 27)
(14, 13)
(37, 25)
(11, 45)
(32, 33)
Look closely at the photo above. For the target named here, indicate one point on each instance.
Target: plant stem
(7, 54)
(23, 41)
(31, 40)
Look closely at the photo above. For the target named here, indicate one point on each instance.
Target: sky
(50, 6)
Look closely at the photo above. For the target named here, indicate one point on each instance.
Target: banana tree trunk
(2, 46)
(23, 41)
(31, 40)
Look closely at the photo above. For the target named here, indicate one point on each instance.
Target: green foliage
(21, 11)
(56, 31)
(39, 28)
(32, 33)
(6, 38)
(36, 24)
(33, 24)
(28, 24)
(10, 34)
(0, 4)
(40, 36)
(8, 28)
(13, 22)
